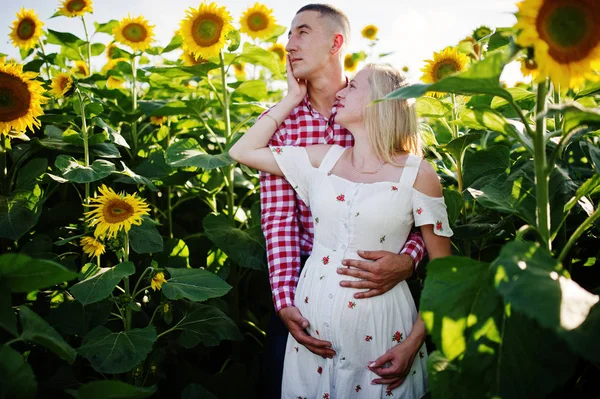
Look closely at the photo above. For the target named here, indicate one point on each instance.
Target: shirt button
(326, 324)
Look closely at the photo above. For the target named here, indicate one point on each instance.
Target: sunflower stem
(580, 230)
(541, 171)
(135, 291)
(228, 170)
(556, 98)
(128, 310)
(134, 102)
(86, 147)
(89, 47)
(45, 60)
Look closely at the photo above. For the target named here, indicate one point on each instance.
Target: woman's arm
(251, 149)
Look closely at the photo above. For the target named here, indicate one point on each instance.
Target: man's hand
(379, 276)
(296, 324)
(401, 358)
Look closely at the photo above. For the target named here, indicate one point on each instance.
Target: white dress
(349, 216)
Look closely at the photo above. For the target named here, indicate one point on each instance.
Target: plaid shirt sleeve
(415, 247)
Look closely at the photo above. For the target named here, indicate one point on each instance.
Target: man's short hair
(335, 15)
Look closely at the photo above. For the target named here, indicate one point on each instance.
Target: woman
(367, 196)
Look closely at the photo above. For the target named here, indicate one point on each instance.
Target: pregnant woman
(367, 196)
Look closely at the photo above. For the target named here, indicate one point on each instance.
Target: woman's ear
(338, 43)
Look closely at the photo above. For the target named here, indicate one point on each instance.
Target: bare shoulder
(316, 153)
(427, 180)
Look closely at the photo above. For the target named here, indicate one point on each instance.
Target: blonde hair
(392, 124)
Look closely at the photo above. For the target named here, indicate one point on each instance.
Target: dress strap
(332, 156)
(411, 168)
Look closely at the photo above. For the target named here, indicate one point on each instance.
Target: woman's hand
(296, 88)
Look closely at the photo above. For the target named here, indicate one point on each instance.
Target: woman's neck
(362, 156)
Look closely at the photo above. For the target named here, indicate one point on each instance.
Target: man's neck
(322, 91)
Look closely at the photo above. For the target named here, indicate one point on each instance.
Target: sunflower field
(132, 261)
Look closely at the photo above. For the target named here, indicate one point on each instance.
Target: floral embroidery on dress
(351, 304)
(321, 278)
(368, 338)
(357, 214)
(325, 396)
(389, 393)
(296, 348)
(329, 173)
(358, 388)
(394, 188)
(301, 397)
(397, 337)
(414, 372)
(382, 239)
(317, 331)
(341, 198)
(278, 150)
(419, 210)
(421, 355)
(306, 300)
(317, 220)
(325, 259)
(438, 226)
(320, 370)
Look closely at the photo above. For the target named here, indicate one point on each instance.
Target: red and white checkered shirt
(286, 220)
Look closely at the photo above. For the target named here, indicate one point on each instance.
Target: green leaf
(197, 285)
(113, 390)
(174, 44)
(63, 38)
(490, 162)
(186, 153)
(206, 325)
(19, 212)
(575, 115)
(255, 90)
(236, 243)
(8, 319)
(24, 274)
(196, 391)
(256, 55)
(102, 284)
(129, 176)
(115, 137)
(591, 88)
(530, 279)
(36, 329)
(29, 173)
(234, 38)
(432, 107)
(106, 27)
(97, 49)
(457, 146)
(519, 95)
(117, 352)
(77, 173)
(16, 376)
(454, 204)
(145, 239)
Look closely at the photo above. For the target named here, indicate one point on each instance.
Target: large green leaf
(8, 319)
(117, 352)
(19, 212)
(530, 279)
(36, 329)
(254, 89)
(196, 391)
(236, 243)
(77, 173)
(29, 173)
(145, 238)
(256, 55)
(17, 380)
(575, 115)
(24, 274)
(499, 351)
(186, 153)
(101, 285)
(113, 390)
(63, 38)
(432, 107)
(457, 146)
(194, 284)
(484, 164)
(206, 325)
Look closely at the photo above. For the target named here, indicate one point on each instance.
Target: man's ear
(338, 43)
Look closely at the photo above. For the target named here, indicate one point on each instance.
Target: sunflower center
(257, 21)
(279, 52)
(349, 62)
(14, 98)
(207, 30)
(63, 83)
(569, 29)
(135, 32)
(76, 5)
(26, 28)
(116, 211)
(444, 69)
(370, 32)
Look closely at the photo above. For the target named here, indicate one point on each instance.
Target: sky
(412, 30)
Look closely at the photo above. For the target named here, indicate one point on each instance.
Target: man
(317, 42)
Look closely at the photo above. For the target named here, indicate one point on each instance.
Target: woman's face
(353, 99)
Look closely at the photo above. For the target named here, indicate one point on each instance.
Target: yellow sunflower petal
(445, 63)
(76, 8)
(92, 247)
(258, 22)
(61, 85)
(565, 37)
(370, 32)
(158, 120)
(136, 32)
(157, 281)
(350, 63)
(278, 49)
(204, 30)
(189, 59)
(26, 30)
(81, 68)
(22, 99)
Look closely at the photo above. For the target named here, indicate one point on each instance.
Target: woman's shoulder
(427, 181)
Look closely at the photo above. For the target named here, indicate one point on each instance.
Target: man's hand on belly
(296, 324)
(380, 276)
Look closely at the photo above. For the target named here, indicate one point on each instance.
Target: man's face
(309, 44)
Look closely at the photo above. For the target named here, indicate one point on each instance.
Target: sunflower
(115, 212)
(565, 36)
(113, 82)
(134, 32)
(26, 30)
(240, 71)
(204, 30)
(481, 32)
(350, 62)
(529, 68)
(62, 85)
(278, 49)
(405, 69)
(21, 99)
(76, 8)
(158, 120)
(190, 60)
(92, 247)
(110, 50)
(157, 281)
(470, 43)
(81, 68)
(370, 32)
(445, 63)
(258, 22)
